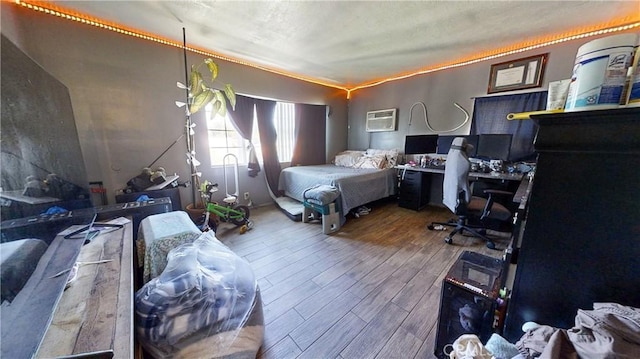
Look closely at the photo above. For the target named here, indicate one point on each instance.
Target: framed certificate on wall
(517, 75)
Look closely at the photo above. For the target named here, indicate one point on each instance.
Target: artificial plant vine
(200, 91)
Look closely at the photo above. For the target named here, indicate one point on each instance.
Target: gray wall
(123, 91)
(438, 91)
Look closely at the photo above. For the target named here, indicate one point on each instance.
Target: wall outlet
(246, 195)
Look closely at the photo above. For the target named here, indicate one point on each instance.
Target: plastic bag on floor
(205, 302)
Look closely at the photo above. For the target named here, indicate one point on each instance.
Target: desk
(421, 188)
(168, 181)
(472, 175)
(522, 194)
(173, 193)
(521, 197)
(19, 197)
(17, 205)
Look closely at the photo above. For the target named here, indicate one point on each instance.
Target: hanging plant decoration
(202, 91)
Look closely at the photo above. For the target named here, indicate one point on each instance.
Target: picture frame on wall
(517, 75)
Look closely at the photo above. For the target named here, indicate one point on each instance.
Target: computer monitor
(494, 147)
(444, 143)
(420, 144)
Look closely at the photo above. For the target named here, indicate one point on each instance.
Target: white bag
(467, 346)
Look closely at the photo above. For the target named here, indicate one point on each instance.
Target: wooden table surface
(95, 312)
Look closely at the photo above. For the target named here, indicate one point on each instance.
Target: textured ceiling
(349, 43)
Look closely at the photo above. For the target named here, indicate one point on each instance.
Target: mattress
(357, 186)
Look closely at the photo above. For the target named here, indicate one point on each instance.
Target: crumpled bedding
(321, 194)
(206, 301)
(610, 330)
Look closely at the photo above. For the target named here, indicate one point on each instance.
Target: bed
(361, 177)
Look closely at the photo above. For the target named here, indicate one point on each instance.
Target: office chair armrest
(487, 207)
(497, 192)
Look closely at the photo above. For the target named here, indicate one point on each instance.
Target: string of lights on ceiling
(622, 24)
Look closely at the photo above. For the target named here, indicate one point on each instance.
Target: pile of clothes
(146, 179)
(610, 330)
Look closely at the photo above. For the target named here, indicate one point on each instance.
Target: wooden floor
(371, 290)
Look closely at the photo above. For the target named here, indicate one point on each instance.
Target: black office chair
(473, 212)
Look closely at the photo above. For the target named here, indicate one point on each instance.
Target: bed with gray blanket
(358, 186)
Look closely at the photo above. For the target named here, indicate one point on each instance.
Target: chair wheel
(491, 245)
(448, 240)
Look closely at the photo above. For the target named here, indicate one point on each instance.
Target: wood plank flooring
(371, 290)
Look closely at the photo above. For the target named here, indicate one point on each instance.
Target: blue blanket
(321, 194)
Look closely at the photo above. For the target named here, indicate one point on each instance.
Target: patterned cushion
(372, 161)
(391, 156)
(347, 158)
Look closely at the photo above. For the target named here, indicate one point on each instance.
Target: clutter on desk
(148, 178)
(487, 166)
(477, 165)
(52, 187)
(425, 161)
(141, 181)
(34, 187)
(158, 176)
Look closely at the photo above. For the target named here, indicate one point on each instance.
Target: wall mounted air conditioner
(381, 120)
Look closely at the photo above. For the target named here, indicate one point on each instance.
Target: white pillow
(391, 155)
(347, 158)
(372, 161)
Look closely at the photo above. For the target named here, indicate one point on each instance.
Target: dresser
(581, 240)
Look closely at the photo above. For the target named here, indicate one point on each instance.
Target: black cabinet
(414, 190)
(581, 239)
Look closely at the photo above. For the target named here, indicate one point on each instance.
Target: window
(224, 139)
(284, 122)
